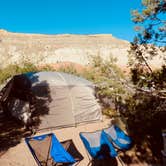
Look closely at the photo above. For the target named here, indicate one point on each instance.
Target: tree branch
(164, 42)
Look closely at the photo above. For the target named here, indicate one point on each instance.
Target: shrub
(12, 70)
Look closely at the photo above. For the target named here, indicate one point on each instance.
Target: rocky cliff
(16, 48)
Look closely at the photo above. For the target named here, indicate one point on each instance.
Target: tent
(61, 99)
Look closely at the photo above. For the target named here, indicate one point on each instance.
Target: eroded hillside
(48, 49)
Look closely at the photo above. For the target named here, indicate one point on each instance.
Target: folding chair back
(119, 139)
(48, 151)
(94, 143)
(72, 150)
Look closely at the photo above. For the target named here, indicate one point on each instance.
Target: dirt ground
(20, 155)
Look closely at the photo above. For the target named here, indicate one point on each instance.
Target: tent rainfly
(61, 99)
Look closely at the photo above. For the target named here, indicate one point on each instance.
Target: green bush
(12, 70)
(68, 69)
(108, 77)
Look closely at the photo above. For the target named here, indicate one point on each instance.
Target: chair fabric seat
(47, 150)
(118, 137)
(97, 144)
(104, 144)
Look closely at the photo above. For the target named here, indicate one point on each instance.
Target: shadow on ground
(104, 162)
(146, 133)
(146, 149)
(12, 131)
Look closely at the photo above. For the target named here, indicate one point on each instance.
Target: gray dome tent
(63, 99)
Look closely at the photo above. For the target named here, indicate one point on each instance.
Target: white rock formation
(48, 49)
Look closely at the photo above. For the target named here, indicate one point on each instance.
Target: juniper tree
(150, 40)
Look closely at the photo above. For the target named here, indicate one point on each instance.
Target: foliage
(151, 27)
(109, 80)
(145, 111)
(153, 81)
(149, 42)
(152, 16)
(111, 85)
(68, 69)
(12, 70)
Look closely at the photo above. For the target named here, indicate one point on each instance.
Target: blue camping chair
(48, 151)
(97, 144)
(119, 139)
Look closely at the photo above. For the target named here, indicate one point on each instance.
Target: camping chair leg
(77, 163)
(89, 163)
(120, 161)
(90, 159)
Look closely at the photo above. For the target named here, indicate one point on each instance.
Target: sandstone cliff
(48, 49)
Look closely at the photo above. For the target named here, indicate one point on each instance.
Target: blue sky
(69, 16)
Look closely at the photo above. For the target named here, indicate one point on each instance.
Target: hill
(16, 48)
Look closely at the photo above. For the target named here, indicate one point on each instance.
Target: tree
(146, 110)
(151, 37)
(149, 42)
